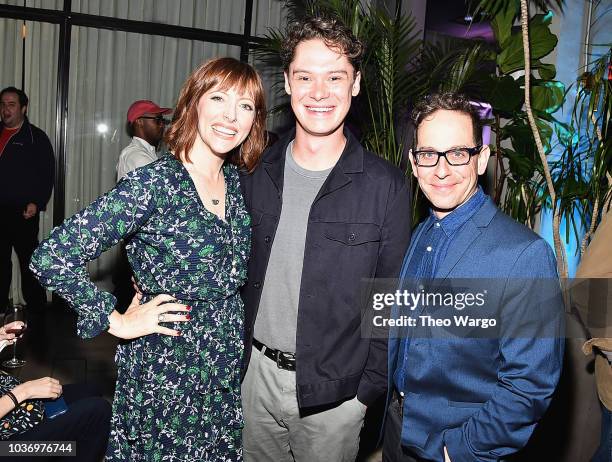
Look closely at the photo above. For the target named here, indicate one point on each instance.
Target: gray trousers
(276, 431)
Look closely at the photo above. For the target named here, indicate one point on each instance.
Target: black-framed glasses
(454, 156)
(159, 119)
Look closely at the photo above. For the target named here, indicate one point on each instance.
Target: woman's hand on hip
(145, 319)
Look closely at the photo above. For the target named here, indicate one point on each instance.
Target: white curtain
(218, 15)
(108, 71)
(267, 14)
(41, 48)
(48, 4)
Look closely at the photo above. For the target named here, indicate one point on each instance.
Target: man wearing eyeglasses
(146, 124)
(458, 394)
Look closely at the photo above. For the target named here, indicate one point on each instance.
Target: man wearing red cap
(146, 123)
(146, 126)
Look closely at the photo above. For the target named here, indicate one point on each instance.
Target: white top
(136, 154)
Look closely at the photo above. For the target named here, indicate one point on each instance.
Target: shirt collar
(458, 217)
(144, 143)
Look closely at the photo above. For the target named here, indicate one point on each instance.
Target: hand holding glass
(15, 324)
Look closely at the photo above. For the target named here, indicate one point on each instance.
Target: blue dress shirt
(429, 251)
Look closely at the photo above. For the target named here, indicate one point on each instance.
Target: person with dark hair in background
(455, 395)
(27, 172)
(146, 125)
(188, 240)
(326, 214)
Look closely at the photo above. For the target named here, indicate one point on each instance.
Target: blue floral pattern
(176, 398)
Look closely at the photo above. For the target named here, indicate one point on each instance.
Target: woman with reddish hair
(188, 240)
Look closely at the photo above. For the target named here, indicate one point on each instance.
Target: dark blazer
(358, 227)
(482, 397)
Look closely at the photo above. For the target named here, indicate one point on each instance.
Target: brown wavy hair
(329, 29)
(222, 73)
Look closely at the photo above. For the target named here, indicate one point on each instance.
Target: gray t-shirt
(276, 322)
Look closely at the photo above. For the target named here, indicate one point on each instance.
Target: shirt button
(437, 225)
(402, 394)
(257, 285)
(267, 239)
(429, 248)
(352, 237)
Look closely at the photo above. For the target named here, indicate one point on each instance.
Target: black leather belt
(283, 360)
(400, 402)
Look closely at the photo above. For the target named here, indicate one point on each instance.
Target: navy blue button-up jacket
(359, 227)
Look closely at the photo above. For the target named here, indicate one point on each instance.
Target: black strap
(13, 398)
(283, 360)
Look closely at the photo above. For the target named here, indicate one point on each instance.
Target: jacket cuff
(457, 445)
(92, 321)
(367, 393)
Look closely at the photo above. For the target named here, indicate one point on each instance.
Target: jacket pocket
(256, 217)
(352, 233)
(464, 404)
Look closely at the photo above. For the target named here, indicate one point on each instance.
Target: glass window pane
(10, 35)
(108, 71)
(267, 14)
(218, 15)
(47, 4)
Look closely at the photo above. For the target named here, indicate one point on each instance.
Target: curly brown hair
(331, 30)
(223, 73)
(448, 101)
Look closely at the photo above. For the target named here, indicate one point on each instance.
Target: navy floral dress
(176, 398)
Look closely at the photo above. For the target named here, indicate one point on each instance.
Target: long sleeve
(60, 261)
(531, 349)
(394, 242)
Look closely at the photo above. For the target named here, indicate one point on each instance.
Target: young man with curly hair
(326, 214)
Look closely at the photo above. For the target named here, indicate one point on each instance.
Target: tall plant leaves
(503, 20)
(392, 44)
(541, 41)
(504, 94)
(547, 96)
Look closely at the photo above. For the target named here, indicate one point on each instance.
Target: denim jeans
(604, 452)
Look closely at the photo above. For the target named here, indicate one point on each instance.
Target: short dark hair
(23, 98)
(329, 29)
(449, 101)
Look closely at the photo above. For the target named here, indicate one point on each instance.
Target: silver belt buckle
(278, 356)
(282, 360)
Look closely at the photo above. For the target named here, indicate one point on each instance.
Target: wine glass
(11, 315)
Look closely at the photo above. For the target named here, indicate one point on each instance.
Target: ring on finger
(161, 317)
